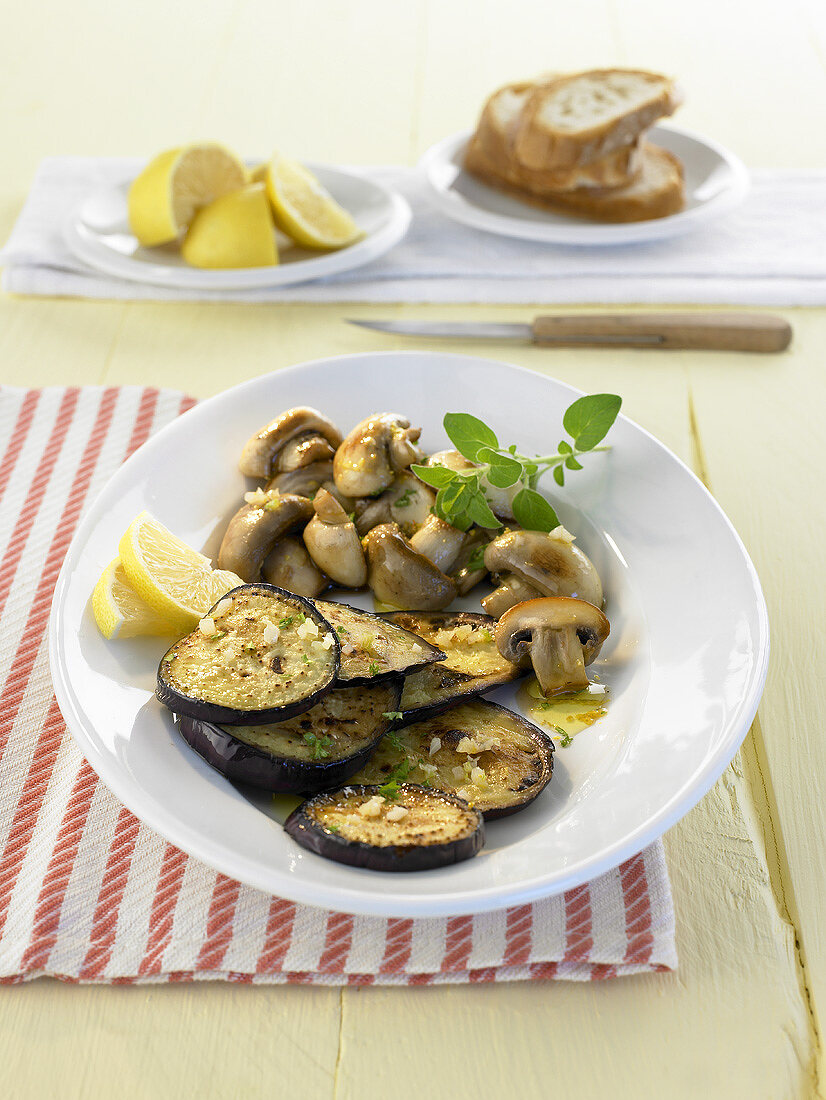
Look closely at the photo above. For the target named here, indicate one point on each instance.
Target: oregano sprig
(460, 494)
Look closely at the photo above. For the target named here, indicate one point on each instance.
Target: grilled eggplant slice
(416, 830)
(314, 751)
(472, 663)
(486, 754)
(373, 648)
(261, 655)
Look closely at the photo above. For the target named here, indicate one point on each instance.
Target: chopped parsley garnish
(487, 634)
(340, 630)
(405, 499)
(218, 634)
(394, 716)
(305, 658)
(319, 745)
(373, 668)
(271, 505)
(565, 738)
(394, 740)
(477, 559)
(288, 621)
(398, 775)
(302, 618)
(332, 828)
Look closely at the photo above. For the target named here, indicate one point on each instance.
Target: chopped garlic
(478, 778)
(257, 496)
(207, 627)
(327, 641)
(222, 608)
(306, 628)
(458, 772)
(467, 744)
(372, 807)
(396, 813)
(561, 534)
(435, 745)
(428, 769)
(271, 632)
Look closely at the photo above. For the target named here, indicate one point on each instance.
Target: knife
(712, 331)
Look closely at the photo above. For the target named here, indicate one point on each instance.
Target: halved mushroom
(439, 541)
(548, 564)
(469, 568)
(407, 502)
(558, 635)
(500, 500)
(333, 542)
(289, 566)
(373, 453)
(304, 450)
(255, 529)
(258, 458)
(402, 578)
(303, 482)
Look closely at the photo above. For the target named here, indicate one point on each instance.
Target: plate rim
(357, 255)
(487, 898)
(581, 232)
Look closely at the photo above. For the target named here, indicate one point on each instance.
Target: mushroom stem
(558, 661)
(511, 591)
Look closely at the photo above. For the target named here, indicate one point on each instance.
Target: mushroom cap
(260, 450)
(255, 529)
(289, 566)
(549, 562)
(304, 450)
(439, 541)
(516, 628)
(407, 502)
(500, 500)
(401, 577)
(333, 542)
(304, 481)
(373, 453)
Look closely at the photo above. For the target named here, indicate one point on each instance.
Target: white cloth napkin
(770, 251)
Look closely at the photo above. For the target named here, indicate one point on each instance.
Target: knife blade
(760, 332)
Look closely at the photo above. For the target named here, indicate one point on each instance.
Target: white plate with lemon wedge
(683, 667)
(99, 233)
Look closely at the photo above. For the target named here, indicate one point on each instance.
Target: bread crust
(624, 204)
(616, 169)
(540, 146)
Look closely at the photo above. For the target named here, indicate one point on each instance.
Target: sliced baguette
(496, 131)
(657, 192)
(580, 118)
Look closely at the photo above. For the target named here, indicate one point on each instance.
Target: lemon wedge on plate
(168, 575)
(163, 199)
(305, 210)
(235, 230)
(118, 609)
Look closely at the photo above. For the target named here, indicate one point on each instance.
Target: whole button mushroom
(261, 451)
(333, 542)
(500, 500)
(373, 453)
(533, 563)
(289, 566)
(558, 635)
(401, 577)
(304, 481)
(255, 529)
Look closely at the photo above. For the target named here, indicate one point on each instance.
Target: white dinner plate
(684, 664)
(98, 233)
(715, 181)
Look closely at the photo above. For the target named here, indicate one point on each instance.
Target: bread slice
(657, 192)
(580, 118)
(496, 131)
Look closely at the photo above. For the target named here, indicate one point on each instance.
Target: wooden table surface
(372, 81)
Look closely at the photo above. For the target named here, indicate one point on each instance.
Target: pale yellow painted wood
(375, 82)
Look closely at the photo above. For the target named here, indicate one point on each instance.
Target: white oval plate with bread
(715, 182)
(98, 233)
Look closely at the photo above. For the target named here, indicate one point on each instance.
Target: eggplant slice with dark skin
(373, 647)
(472, 663)
(416, 829)
(488, 755)
(260, 655)
(314, 751)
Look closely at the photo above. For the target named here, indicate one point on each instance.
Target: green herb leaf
(479, 511)
(405, 499)
(393, 716)
(503, 471)
(476, 559)
(437, 476)
(398, 775)
(572, 464)
(393, 738)
(533, 512)
(373, 668)
(589, 419)
(559, 475)
(286, 622)
(468, 434)
(565, 738)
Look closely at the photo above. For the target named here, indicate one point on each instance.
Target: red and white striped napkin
(88, 893)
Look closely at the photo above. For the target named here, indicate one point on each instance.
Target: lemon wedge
(118, 609)
(304, 210)
(163, 199)
(168, 575)
(235, 230)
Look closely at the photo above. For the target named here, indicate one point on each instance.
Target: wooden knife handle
(718, 331)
